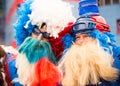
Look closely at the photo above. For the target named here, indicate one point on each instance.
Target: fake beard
(34, 64)
(42, 73)
(23, 69)
(86, 64)
(45, 73)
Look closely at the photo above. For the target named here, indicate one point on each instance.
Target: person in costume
(5, 53)
(36, 13)
(84, 63)
(3, 56)
(91, 51)
(10, 69)
(41, 24)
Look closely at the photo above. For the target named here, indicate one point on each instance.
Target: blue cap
(88, 7)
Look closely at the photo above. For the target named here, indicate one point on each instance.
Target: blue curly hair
(20, 31)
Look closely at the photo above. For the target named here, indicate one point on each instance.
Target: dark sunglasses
(37, 32)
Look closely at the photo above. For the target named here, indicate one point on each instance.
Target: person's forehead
(81, 34)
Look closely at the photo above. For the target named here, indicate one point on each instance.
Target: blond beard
(87, 63)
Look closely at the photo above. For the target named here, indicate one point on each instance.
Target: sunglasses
(37, 32)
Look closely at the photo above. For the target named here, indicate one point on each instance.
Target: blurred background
(2, 20)
(109, 9)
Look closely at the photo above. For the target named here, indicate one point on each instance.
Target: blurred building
(2, 18)
(108, 2)
(109, 9)
(10, 19)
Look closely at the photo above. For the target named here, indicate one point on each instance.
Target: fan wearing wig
(86, 63)
(36, 14)
(91, 56)
(46, 22)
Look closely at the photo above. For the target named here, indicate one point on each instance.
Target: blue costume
(87, 10)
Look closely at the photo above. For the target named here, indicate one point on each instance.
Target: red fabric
(57, 44)
(45, 73)
(7, 75)
(12, 10)
(13, 44)
(101, 24)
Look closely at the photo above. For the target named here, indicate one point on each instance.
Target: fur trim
(52, 13)
(20, 31)
(57, 44)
